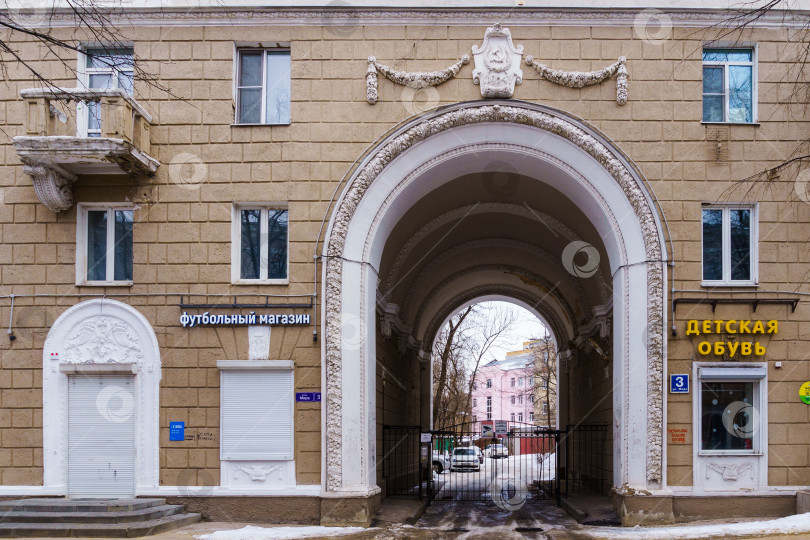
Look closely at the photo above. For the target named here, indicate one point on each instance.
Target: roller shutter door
(101, 435)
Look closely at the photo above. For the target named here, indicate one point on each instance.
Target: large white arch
(107, 332)
(431, 150)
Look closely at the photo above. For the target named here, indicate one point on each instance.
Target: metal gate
(472, 463)
(402, 469)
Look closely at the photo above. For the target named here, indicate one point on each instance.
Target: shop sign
(731, 327)
(501, 428)
(307, 396)
(177, 431)
(679, 384)
(207, 319)
(804, 393)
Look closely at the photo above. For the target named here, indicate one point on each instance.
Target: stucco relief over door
(99, 338)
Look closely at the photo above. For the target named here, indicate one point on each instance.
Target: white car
(440, 462)
(495, 451)
(465, 458)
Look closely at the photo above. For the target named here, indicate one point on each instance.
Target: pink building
(504, 389)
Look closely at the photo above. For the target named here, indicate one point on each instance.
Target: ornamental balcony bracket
(54, 156)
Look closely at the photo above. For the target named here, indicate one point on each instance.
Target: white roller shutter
(257, 415)
(101, 435)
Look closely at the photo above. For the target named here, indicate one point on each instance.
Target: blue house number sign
(679, 384)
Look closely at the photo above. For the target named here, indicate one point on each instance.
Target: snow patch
(800, 523)
(278, 533)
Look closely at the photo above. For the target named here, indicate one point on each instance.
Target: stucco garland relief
(399, 144)
(580, 79)
(497, 70)
(103, 340)
(414, 79)
(731, 471)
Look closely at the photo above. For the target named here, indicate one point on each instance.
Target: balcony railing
(55, 156)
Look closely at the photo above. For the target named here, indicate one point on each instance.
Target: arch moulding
(648, 265)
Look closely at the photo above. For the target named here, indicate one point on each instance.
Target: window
(520, 400)
(475, 418)
(729, 245)
(475, 402)
(256, 411)
(731, 409)
(259, 242)
(531, 417)
(103, 69)
(512, 417)
(489, 384)
(543, 384)
(263, 86)
(545, 408)
(531, 397)
(512, 382)
(513, 400)
(729, 86)
(489, 406)
(520, 417)
(531, 382)
(475, 386)
(520, 381)
(104, 245)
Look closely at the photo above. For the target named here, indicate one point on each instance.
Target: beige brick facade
(182, 232)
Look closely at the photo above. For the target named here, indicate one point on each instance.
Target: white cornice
(711, 14)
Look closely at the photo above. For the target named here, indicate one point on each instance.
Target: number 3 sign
(679, 384)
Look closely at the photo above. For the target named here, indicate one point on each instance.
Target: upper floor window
(263, 86)
(729, 86)
(520, 381)
(729, 245)
(489, 384)
(512, 382)
(104, 245)
(475, 402)
(259, 244)
(103, 69)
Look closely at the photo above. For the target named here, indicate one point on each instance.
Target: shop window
(256, 412)
(729, 245)
(731, 413)
(259, 241)
(729, 86)
(263, 86)
(102, 69)
(104, 245)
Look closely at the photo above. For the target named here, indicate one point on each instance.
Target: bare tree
(545, 379)
(468, 344)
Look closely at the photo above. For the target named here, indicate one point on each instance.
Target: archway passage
(484, 200)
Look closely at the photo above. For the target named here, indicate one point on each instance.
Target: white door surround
(576, 160)
(96, 337)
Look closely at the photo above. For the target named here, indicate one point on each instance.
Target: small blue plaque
(177, 431)
(679, 384)
(307, 396)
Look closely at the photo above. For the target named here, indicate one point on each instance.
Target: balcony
(54, 156)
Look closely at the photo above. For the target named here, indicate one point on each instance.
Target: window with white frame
(520, 400)
(520, 381)
(512, 417)
(103, 68)
(489, 407)
(531, 417)
(513, 400)
(730, 405)
(512, 382)
(489, 384)
(104, 245)
(263, 86)
(256, 410)
(729, 244)
(545, 408)
(729, 85)
(259, 242)
(475, 402)
(520, 417)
